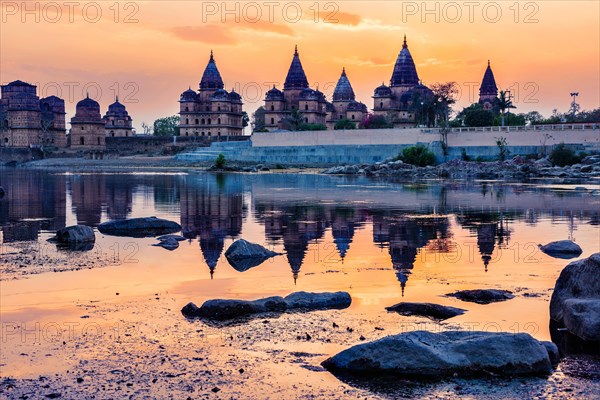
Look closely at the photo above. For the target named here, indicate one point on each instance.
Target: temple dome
(188, 95)
(405, 72)
(220, 95)
(274, 94)
(211, 78)
(343, 90)
(383, 91)
(488, 84)
(296, 78)
(234, 97)
(357, 106)
(87, 110)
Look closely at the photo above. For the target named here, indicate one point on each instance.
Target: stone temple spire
(296, 78)
(211, 78)
(405, 72)
(343, 90)
(488, 84)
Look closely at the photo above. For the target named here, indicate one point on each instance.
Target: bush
(375, 122)
(562, 156)
(464, 155)
(220, 161)
(344, 124)
(312, 127)
(417, 155)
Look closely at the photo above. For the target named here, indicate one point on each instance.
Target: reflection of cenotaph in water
(212, 209)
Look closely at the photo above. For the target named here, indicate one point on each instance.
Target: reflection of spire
(342, 237)
(402, 276)
(486, 234)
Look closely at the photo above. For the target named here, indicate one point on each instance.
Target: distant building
(488, 91)
(296, 95)
(212, 111)
(344, 104)
(117, 120)
(87, 126)
(398, 102)
(27, 121)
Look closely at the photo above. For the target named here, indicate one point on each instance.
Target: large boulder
(482, 296)
(243, 255)
(575, 302)
(430, 310)
(139, 227)
(222, 310)
(562, 249)
(75, 234)
(318, 301)
(420, 354)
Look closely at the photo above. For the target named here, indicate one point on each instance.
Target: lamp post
(422, 112)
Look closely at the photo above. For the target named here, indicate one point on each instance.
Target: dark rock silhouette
(429, 310)
(562, 249)
(482, 296)
(139, 227)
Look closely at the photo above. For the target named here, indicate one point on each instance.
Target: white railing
(556, 127)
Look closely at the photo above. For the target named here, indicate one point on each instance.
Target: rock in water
(178, 238)
(139, 227)
(168, 243)
(430, 310)
(422, 354)
(190, 310)
(482, 296)
(2, 192)
(243, 255)
(562, 249)
(75, 234)
(575, 302)
(318, 301)
(222, 310)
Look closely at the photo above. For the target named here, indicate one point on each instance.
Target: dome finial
(296, 50)
(116, 98)
(404, 45)
(211, 55)
(488, 62)
(343, 71)
(87, 95)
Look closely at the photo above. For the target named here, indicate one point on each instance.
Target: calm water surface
(382, 242)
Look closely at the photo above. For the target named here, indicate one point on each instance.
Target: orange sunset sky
(151, 51)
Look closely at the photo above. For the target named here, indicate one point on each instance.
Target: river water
(381, 241)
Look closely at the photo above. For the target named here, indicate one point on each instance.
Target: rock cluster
(430, 310)
(243, 255)
(482, 296)
(517, 168)
(225, 309)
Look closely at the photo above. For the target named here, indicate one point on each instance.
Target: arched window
(203, 121)
(218, 133)
(81, 141)
(381, 104)
(187, 121)
(352, 116)
(219, 121)
(6, 140)
(219, 108)
(202, 133)
(197, 121)
(272, 107)
(187, 108)
(112, 133)
(306, 120)
(112, 122)
(209, 121)
(208, 133)
(82, 128)
(306, 107)
(207, 108)
(187, 134)
(341, 116)
(272, 120)
(98, 141)
(196, 133)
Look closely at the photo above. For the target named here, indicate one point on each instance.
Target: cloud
(369, 61)
(212, 34)
(342, 18)
(266, 26)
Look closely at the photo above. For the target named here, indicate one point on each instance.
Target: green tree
(563, 156)
(294, 120)
(503, 151)
(444, 96)
(220, 161)
(167, 126)
(311, 127)
(504, 103)
(511, 120)
(476, 115)
(259, 120)
(534, 117)
(245, 119)
(418, 155)
(345, 124)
